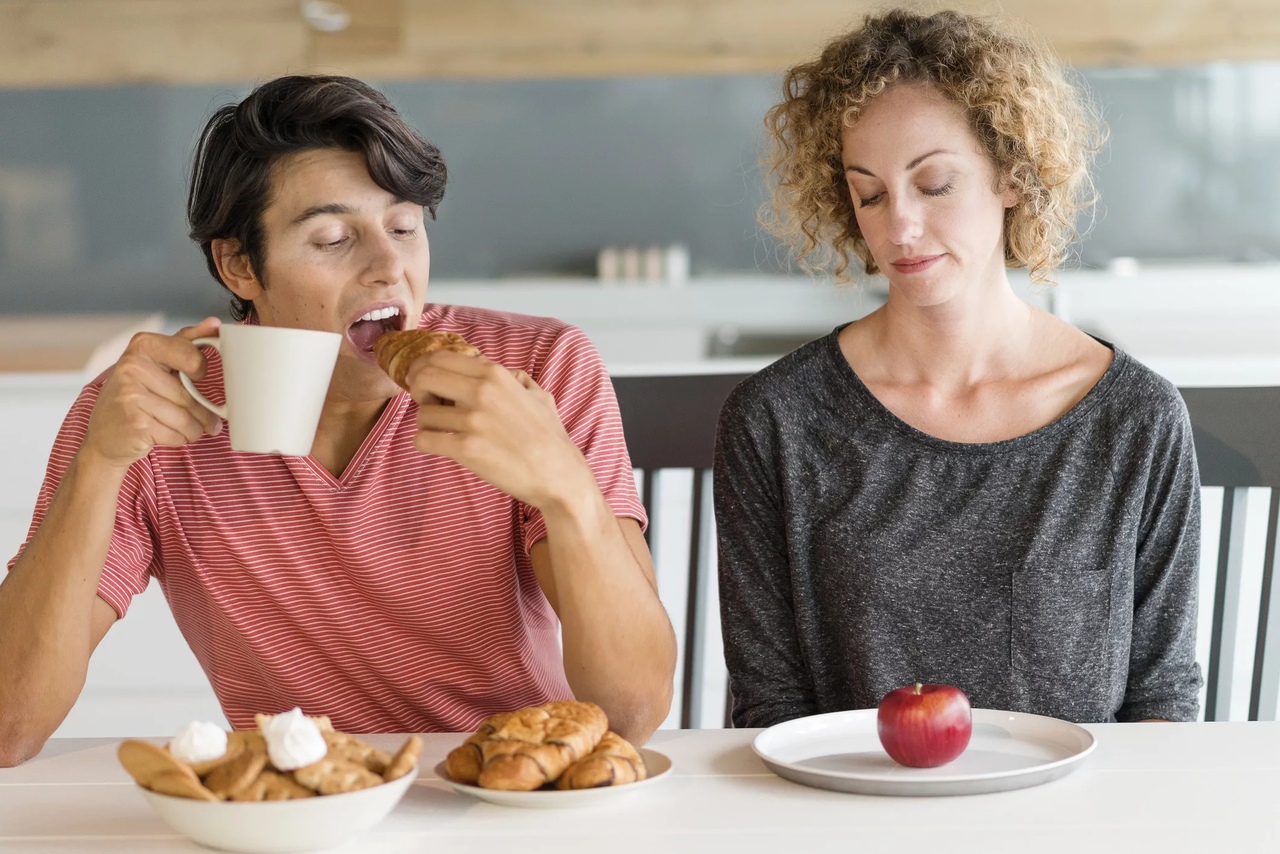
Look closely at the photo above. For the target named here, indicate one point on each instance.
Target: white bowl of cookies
(294, 784)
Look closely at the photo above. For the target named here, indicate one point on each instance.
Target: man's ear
(235, 269)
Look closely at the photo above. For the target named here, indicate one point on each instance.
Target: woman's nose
(905, 221)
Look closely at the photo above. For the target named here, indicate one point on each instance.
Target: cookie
(234, 746)
(273, 786)
(181, 786)
(336, 776)
(349, 748)
(157, 769)
(229, 778)
(247, 739)
(404, 760)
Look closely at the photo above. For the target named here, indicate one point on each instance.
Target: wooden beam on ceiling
(51, 43)
(109, 42)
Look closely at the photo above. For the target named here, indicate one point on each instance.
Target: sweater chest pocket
(1060, 623)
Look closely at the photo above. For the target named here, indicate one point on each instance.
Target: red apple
(924, 726)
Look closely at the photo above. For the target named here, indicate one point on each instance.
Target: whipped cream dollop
(294, 740)
(199, 741)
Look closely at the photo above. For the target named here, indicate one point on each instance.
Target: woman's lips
(917, 264)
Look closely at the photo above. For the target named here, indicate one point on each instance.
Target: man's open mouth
(372, 324)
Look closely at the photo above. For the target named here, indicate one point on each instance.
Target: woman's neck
(981, 334)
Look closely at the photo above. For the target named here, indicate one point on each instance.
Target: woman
(958, 487)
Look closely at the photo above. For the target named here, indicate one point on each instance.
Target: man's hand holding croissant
(497, 423)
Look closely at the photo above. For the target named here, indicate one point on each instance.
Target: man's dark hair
(231, 174)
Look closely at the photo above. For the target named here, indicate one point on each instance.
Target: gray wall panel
(92, 181)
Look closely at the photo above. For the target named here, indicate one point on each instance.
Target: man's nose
(383, 263)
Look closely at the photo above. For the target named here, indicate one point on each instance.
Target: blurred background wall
(545, 172)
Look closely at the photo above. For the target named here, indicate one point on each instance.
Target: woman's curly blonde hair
(1038, 128)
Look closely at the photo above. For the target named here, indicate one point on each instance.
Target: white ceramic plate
(306, 824)
(841, 751)
(657, 766)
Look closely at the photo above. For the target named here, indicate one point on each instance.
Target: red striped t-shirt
(397, 598)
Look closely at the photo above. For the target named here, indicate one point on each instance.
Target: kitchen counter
(68, 343)
(1196, 324)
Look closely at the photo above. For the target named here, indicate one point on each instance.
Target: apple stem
(919, 687)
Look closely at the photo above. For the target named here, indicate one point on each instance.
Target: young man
(411, 573)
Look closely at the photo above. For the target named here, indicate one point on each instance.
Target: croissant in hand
(397, 351)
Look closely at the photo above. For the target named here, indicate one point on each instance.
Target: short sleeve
(575, 375)
(126, 570)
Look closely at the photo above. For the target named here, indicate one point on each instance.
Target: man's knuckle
(141, 341)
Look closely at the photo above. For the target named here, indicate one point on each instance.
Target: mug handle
(220, 411)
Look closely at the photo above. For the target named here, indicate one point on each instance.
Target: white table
(1204, 788)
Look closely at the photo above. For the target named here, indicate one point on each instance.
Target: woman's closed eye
(941, 190)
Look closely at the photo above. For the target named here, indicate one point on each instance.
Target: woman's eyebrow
(913, 164)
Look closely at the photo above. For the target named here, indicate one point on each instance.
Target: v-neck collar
(309, 465)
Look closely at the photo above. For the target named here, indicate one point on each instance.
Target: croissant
(526, 749)
(464, 762)
(397, 351)
(612, 763)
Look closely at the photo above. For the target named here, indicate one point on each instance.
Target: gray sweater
(1054, 573)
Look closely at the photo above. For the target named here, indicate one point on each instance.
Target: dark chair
(670, 423)
(1237, 435)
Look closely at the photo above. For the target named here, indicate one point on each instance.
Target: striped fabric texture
(397, 598)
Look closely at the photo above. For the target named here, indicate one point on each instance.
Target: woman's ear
(235, 269)
(1009, 197)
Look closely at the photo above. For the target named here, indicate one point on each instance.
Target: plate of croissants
(559, 754)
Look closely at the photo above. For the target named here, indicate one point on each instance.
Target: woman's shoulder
(792, 383)
(1143, 392)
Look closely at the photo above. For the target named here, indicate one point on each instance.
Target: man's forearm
(619, 648)
(47, 606)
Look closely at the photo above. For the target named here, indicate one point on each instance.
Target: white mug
(276, 379)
